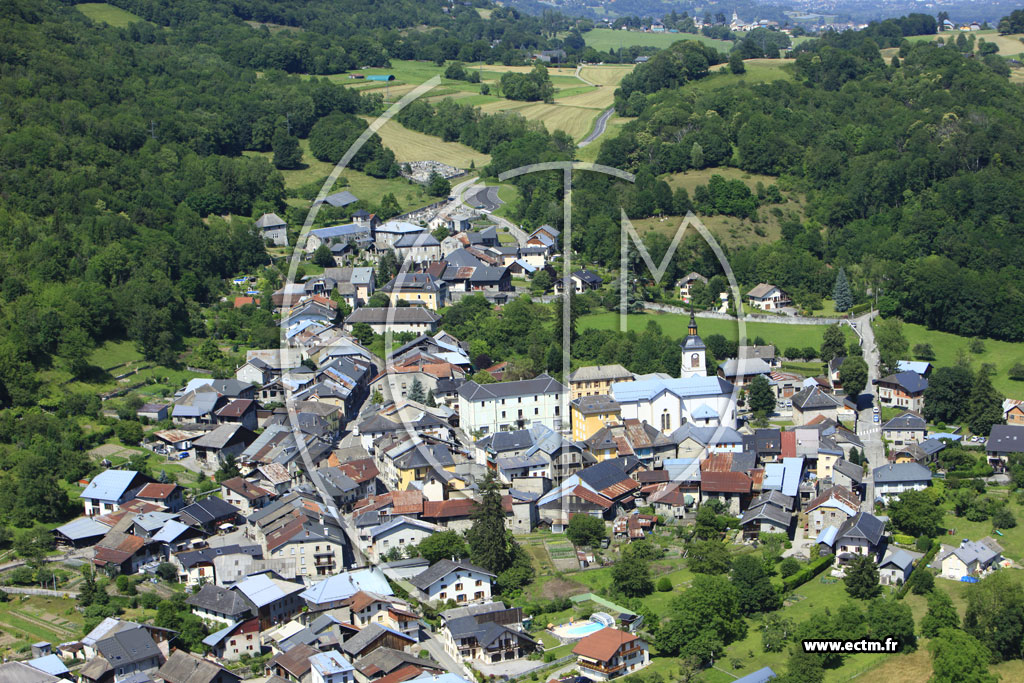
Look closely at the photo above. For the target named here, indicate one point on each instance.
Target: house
(154, 412)
(456, 580)
(109, 489)
(225, 441)
(396, 534)
(904, 429)
(732, 489)
(589, 414)
(23, 672)
(896, 566)
(336, 592)
(81, 533)
(275, 600)
(811, 402)
(1013, 411)
(849, 475)
(581, 281)
(970, 558)
(417, 248)
(768, 297)
(485, 633)
(765, 515)
(743, 372)
(416, 319)
(374, 637)
(331, 667)
(123, 653)
(1002, 441)
(185, 667)
(197, 567)
(418, 289)
(244, 495)
(831, 507)
(338, 234)
(610, 653)
(198, 405)
(294, 665)
(273, 229)
(319, 544)
(241, 411)
(503, 406)
(545, 236)
(209, 514)
(902, 390)
(386, 234)
(169, 496)
(862, 534)
(921, 367)
(220, 604)
(596, 380)
(341, 199)
(893, 479)
(396, 666)
(685, 285)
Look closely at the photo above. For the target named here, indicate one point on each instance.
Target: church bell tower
(694, 351)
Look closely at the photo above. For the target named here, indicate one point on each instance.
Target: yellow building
(596, 380)
(418, 289)
(590, 413)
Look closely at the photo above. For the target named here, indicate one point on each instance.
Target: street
(868, 431)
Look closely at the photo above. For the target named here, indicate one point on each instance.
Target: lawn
(612, 129)
(108, 14)
(1009, 45)
(674, 325)
(605, 75)
(410, 145)
(1012, 540)
(607, 39)
(1003, 355)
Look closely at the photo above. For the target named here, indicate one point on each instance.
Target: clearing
(576, 121)
(1009, 45)
(108, 14)
(607, 39)
(674, 325)
(605, 75)
(1003, 355)
(409, 145)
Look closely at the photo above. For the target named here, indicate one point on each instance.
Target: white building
(668, 404)
(331, 667)
(893, 479)
(273, 228)
(508, 406)
(456, 580)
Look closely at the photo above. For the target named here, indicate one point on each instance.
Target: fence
(750, 317)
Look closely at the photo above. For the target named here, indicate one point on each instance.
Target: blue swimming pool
(584, 629)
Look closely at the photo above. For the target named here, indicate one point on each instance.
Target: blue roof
(918, 366)
(340, 231)
(343, 198)
(704, 412)
(682, 469)
(687, 386)
(381, 77)
(110, 484)
(783, 476)
(330, 662)
(827, 536)
(439, 678)
(945, 435)
(170, 531)
(83, 527)
(214, 638)
(344, 586)
(759, 676)
(50, 664)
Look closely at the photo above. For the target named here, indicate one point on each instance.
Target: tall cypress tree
(985, 407)
(841, 293)
(489, 546)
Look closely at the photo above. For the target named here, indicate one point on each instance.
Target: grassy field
(606, 39)
(409, 145)
(1009, 45)
(576, 121)
(673, 325)
(27, 620)
(947, 346)
(614, 127)
(108, 14)
(1012, 540)
(605, 75)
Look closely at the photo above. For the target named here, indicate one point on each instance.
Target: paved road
(868, 431)
(602, 123)
(484, 197)
(579, 67)
(466, 187)
(436, 649)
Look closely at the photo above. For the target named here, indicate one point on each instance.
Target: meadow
(610, 39)
(410, 145)
(674, 325)
(108, 14)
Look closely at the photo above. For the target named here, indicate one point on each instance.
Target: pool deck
(564, 631)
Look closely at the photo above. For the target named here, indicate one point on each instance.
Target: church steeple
(694, 351)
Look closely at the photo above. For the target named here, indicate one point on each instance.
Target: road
(579, 68)
(484, 197)
(868, 430)
(466, 187)
(602, 123)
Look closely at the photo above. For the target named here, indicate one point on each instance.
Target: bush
(788, 567)
(903, 539)
(814, 568)
(664, 585)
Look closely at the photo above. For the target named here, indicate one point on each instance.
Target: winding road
(599, 127)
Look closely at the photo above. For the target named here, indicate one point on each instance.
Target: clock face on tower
(695, 360)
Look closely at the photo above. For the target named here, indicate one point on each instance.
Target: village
(338, 465)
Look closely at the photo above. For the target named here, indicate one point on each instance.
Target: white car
(875, 410)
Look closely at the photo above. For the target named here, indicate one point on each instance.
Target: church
(693, 398)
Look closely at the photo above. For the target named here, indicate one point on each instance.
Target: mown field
(108, 14)
(1003, 355)
(610, 39)
(410, 145)
(1009, 45)
(674, 325)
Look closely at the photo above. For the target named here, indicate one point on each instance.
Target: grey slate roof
(853, 471)
(209, 510)
(1006, 439)
(442, 568)
(222, 600)
(767, 512)
(863, 525)
(911, 382)
(813, 398)
(901, 472)
(128, 647)
(401, 314)
(905, 421)
(542, 384)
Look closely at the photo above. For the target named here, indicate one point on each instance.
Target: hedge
(807, 573)
(903, 539)
(860, 308)
(922, 566)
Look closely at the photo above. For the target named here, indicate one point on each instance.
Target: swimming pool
(580, 630)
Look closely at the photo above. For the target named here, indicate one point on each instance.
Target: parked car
(875, 410)
(877, 419)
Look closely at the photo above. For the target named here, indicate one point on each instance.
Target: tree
(489, 545)
(788, 567)
(697, 156)
(841, 293)
(916, 513)
(941, 614)
(664, 585)
(541, 282)
(776, 632)
(995, 614)
(761, 399)
(708, 524)
(833, 343)
(946, 398)
(129, 432)
(921, 581)
(708, 557)
(389, 207)
(892, 345)
(803, 667)
(985, 407)
(891, 618)
(363, 332)
(33, 544)
(438, 185)
(416, 392)
(323, 257)
(167, 571)
(958, 657)
(287, 153)
(862, 578)
(754, 590)
(632, 576)
(709, 605)
(585, 530)
(445, 544)
(924, 352)
(228, 469)
(736, 65)
(853, 375)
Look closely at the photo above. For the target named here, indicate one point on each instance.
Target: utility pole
(152, 129)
